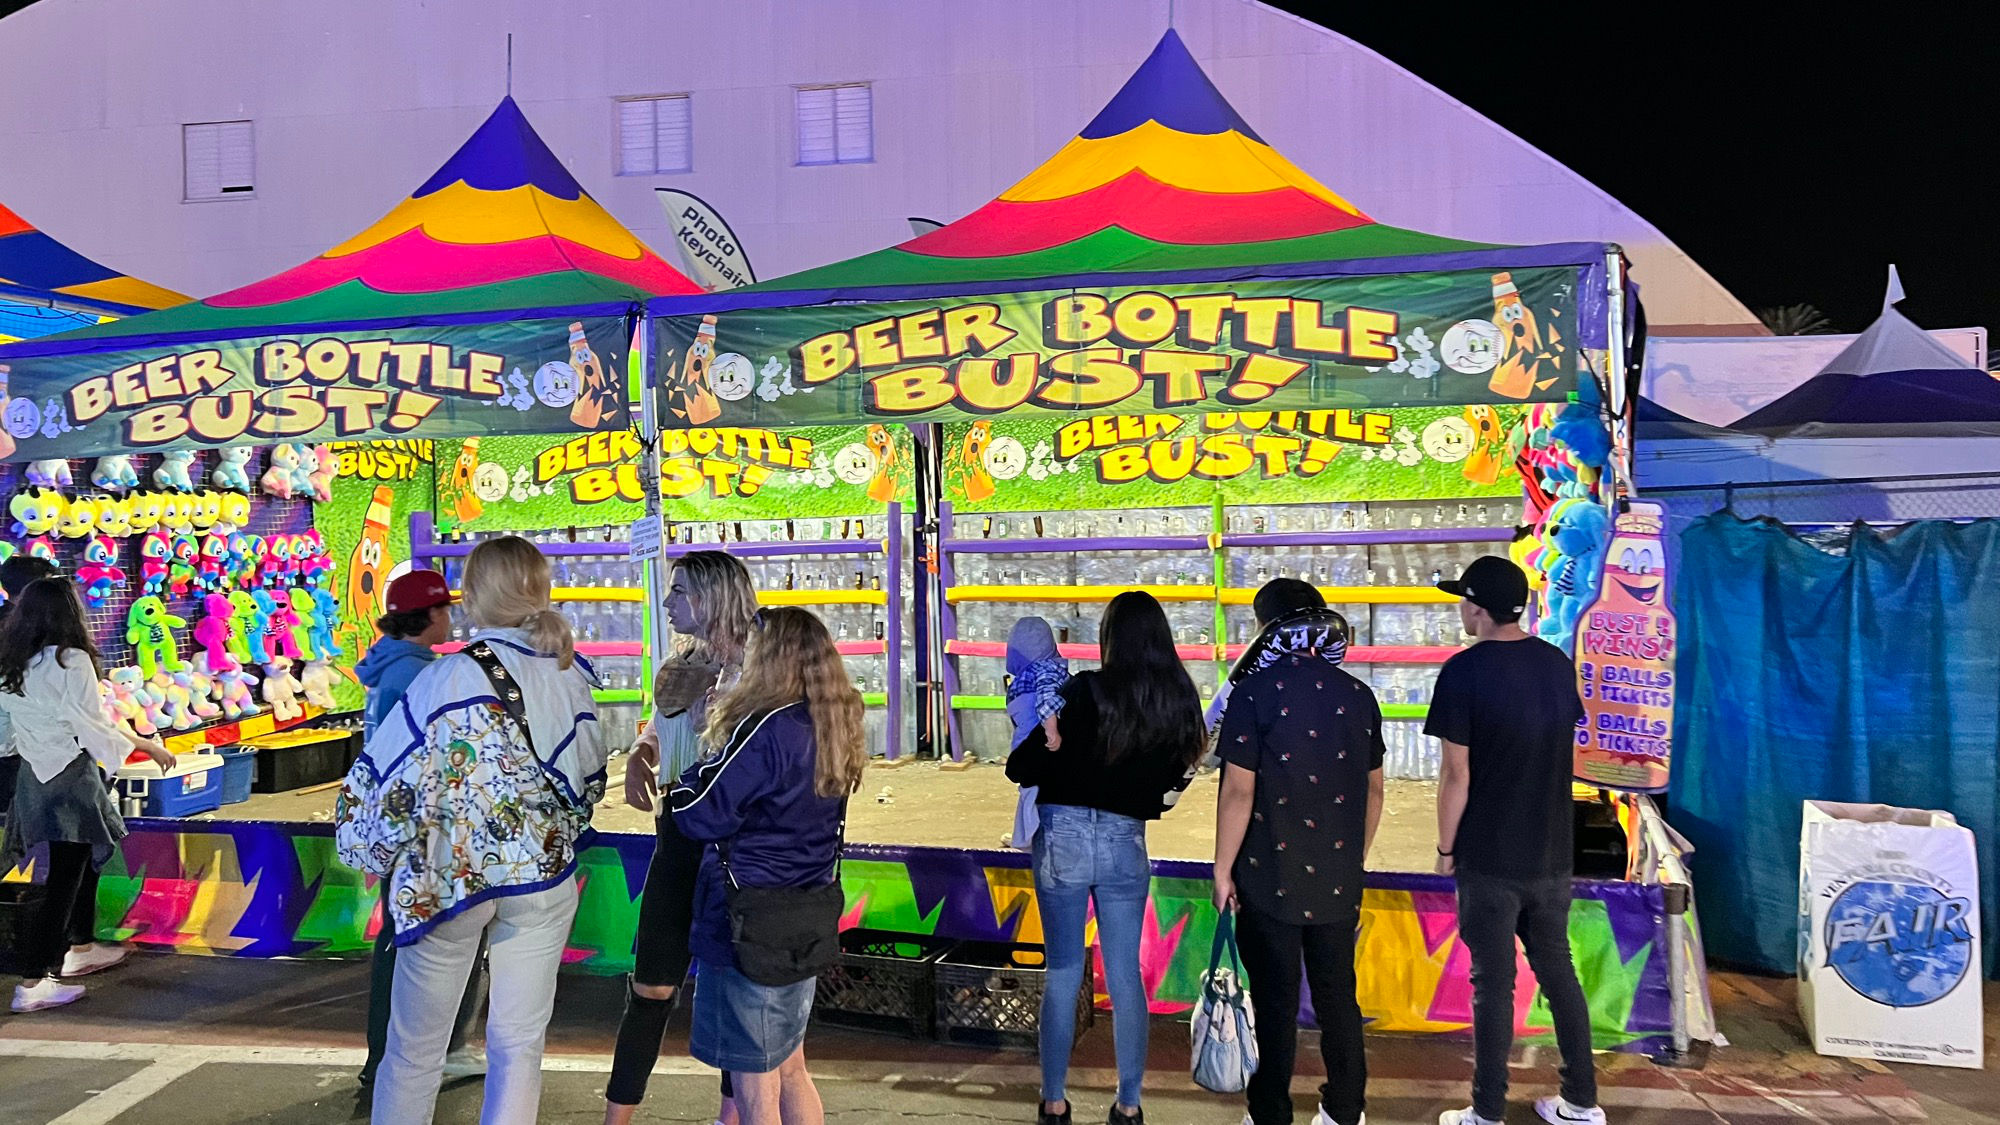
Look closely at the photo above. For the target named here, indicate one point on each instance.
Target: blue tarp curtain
(1869, 677)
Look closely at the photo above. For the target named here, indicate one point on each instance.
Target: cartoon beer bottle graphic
(972, 452)
(689, 396)
(882, 486)
(368, 569)
(596, 392)
(1521, 349)
(465, 503)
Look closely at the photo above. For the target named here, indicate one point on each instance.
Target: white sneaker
(466, 1062)
(96, 959)
(1325, 1118)
(1465, 1117)
(1562, 1112)
(45, 993)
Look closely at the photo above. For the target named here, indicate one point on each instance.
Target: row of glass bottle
(1413, 515)
(818, 529)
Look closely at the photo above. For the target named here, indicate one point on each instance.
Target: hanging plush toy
(53, 473)
(176, 471)
(240, 567)
(326, 467)
(79, 519)
(234, 512)
(281, 691)
(199, 688)
(207, 509)
(177, 513)
(210, 572)
(149, 630)
(318, 680)
(325, 618)
(212, 632)
(36, 512)
(303, 623)
(183, 565)
(114, 473)
(1577, 533)
(114, 517)
(148, 509)
(99, 574)
(303, 473)
(175, 702)
(232, 687)
(232, 469)
(246, 636)
(43, 548)
(285, 629)
(277, 479)
(309, 552)
(277, 557)
(155, 557)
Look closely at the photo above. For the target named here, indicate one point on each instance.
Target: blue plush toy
(175, 473)
(1577, 532)
(326, 614)
(232, 469)
(1582, 431)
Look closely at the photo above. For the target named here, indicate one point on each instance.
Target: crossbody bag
(784, 935)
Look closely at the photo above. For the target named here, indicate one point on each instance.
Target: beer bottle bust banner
(1308, 344)
(535, 376)
(1625, 644)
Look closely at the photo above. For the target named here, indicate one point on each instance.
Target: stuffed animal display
(149, 630)
(232, 469)
(176, 471)
(114, 473)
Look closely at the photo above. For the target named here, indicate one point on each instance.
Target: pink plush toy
(212, 631)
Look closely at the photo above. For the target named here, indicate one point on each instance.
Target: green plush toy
(148, 630)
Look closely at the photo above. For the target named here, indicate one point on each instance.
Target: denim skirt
(744, 1027)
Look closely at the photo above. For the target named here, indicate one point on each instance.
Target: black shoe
(1136, 1117)
(1043, 1117)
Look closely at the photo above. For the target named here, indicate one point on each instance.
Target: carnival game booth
(1168, 359)
(235, 481)
(46, 287)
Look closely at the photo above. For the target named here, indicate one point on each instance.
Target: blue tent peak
(1172, 89)
(505, 152)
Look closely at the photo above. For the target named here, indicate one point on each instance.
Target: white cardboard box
(1889, 954)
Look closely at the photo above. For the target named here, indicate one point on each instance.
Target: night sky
(1793, 161)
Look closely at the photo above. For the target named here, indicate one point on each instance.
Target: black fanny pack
(784, 935)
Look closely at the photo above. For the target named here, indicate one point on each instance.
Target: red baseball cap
(418, 589)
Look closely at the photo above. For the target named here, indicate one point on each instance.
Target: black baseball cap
(1493, 584)
(21, 569)
(1282, 597)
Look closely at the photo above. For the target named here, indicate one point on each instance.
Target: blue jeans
(1084, 856)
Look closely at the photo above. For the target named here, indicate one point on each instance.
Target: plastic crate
(989, 994)
(239, 773)
(192, 786)
(882, 982)
(20, 904)
(296, 759)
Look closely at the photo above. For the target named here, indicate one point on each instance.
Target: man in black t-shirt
(1506, 710)
(1301, 743)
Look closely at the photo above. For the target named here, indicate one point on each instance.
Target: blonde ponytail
(507, 587)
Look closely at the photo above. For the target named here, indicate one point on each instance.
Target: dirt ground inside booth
(937, 805)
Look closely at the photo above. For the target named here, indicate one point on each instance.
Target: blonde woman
(469, 799)
(770, 803)
(709, 604)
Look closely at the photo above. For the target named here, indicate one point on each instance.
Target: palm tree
(1796, 320)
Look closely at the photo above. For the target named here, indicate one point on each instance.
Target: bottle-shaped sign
(689, 397)
(972, 456)
(1521, 346)
(596, 392)
(1625, 647)
(465, 503)
(882, 485)
(368, 570)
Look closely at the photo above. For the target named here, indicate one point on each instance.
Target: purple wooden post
(948, 622)
(892, 662)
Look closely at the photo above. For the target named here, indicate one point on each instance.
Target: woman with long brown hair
(469, 799)
(709, 603)
(770, 802)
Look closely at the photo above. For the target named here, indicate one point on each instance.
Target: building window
(655, 135)
(836, 124)
(218, 161)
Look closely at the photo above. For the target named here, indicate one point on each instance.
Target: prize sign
(1625, 662)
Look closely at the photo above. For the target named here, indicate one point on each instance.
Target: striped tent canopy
(47, 287)
(1167, 181)
(501, 231)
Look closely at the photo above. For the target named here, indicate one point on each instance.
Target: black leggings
(69, 910)
(660, 958)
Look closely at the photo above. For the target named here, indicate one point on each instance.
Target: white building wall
(355, 102)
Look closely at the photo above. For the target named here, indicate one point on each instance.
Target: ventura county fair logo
(1897, 935)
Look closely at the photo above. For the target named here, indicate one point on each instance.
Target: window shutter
(854, 123)
(635, 137)
(816, 126)
(218, 160)
(673, 135)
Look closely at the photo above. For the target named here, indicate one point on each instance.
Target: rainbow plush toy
(232, 469)
(277, 558)
(43, 548)
(155, 556)
(149, 630)
(303, 473)
(99, 574)
(211, 570)
(309, 552)
(134, 703)
(114, 473)
(52, 473)
(176, 471)
(36, 512)
(241, 568)
(232, 687)
(175, 712)
(278, 478)
(185, 564)
(325, 467)
(198, 687)
(266, 634)
(213, 633)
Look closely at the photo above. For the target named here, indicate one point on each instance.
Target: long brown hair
(724, 600)
(791, 657)
(48, 614)
(507, 587)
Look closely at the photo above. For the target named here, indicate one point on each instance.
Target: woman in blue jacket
(770, 803)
